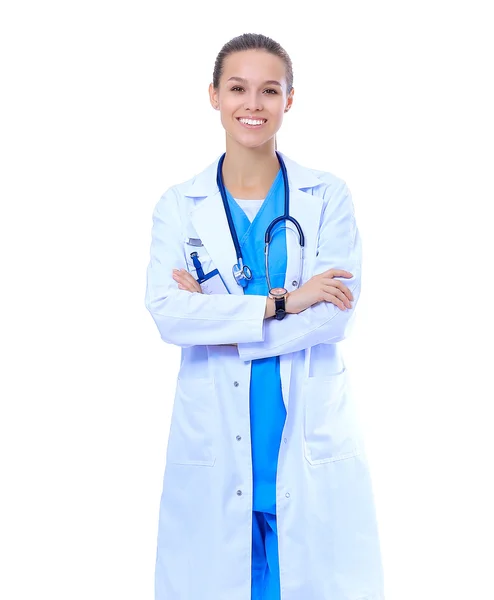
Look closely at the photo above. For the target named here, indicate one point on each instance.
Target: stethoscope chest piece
(242, 273)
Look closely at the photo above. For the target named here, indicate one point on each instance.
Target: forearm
(186, 319)
(322, 323)
(268, 313)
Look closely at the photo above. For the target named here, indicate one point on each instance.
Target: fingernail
(175, 270)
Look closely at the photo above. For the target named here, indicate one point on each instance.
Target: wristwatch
(279, 295)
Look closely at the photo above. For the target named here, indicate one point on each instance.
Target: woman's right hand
(321, 288)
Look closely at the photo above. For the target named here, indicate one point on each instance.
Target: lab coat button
(285, 440)
(287, 495)
(294, 283)
(235, 383)
(239, 492)
(239, 437)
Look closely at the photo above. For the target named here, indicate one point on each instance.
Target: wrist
(279, 296)
(270, 308)
(298, 301)
(290, 303)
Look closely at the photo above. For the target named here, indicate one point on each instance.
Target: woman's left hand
(186, 281)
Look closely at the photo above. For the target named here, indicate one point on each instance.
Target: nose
(253, 101)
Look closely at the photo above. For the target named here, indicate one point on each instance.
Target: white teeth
(252, 121)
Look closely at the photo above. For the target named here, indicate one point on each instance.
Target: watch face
(279, 291)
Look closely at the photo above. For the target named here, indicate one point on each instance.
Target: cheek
(277, 108)
(229, 104)
(226, 118)
(227, 109)
(277, 117)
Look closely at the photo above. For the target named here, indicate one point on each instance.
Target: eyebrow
(244, 81)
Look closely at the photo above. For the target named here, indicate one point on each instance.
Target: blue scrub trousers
(265, 563)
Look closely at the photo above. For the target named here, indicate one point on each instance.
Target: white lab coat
(327, 532)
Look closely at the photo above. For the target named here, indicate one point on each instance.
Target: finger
(183, 276)
(338, 273)
(340, 285)
(189, 280)
(186, 281)
(339, 294)
(327, 297)
(180, 272)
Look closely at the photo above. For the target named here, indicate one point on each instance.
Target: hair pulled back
(252, 41)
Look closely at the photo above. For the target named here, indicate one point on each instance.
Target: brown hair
(252, 41)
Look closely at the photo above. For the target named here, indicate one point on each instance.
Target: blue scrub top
(267, 409)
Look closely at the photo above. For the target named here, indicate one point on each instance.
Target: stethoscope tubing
(244, 271)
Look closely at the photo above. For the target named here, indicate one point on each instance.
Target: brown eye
(236, 88)
(271, 91)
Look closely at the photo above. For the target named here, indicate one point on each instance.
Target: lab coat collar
(204, 184)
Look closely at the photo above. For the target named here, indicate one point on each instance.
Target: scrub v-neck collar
(247, 225)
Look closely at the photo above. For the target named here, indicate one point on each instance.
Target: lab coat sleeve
(339, 247)
(184, 318)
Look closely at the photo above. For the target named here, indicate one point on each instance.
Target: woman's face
(252, 88)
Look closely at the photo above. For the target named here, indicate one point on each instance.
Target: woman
(266, 491)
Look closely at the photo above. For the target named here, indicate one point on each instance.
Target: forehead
(254, 65)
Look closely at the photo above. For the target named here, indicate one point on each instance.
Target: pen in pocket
(197, 264)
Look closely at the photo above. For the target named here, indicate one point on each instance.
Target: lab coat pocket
(191, 439)
(330, 425)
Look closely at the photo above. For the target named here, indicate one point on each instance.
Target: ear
(289, 100)
(213, 97)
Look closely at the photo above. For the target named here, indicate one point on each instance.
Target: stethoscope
(241, 272)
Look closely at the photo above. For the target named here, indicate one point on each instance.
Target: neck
(249, 169)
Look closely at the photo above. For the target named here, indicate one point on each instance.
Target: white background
(104, 106)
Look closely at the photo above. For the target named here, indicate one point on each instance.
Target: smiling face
(252, 96)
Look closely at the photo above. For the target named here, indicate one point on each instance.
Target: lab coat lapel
(306, 209)
(208, 218)
(210, 222)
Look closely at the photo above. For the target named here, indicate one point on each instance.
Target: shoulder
(200, 185)
(334, 191)
(177, 197)
(329, 181)
(318, 183)
(177, 190)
